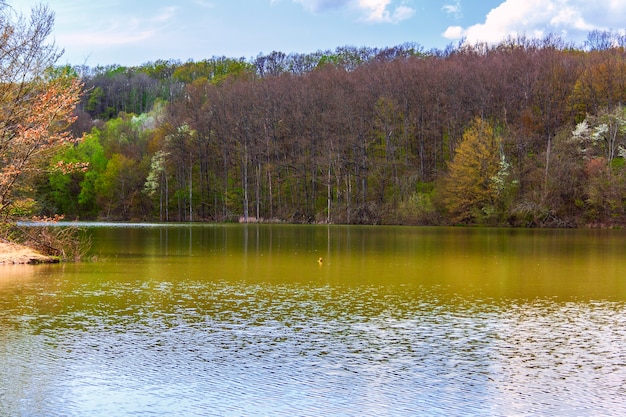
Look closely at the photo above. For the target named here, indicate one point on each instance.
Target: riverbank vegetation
(38, 103)
(526, 133)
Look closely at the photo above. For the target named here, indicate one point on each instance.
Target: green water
(244, 320)
(510, 263)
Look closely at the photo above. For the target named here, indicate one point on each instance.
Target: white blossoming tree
(603, 135)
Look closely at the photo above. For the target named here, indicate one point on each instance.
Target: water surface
(243, 320)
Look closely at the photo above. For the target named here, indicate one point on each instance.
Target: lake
(203, 320)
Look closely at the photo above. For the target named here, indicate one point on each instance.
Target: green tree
(91, 151)
(72, 192)
(118, 187)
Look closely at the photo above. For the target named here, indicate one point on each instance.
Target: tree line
(527, 132)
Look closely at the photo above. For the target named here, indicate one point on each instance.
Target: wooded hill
(526, 133)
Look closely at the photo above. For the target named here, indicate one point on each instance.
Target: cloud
(454, 32)
(207, 4)
(382, 11)
(572, 19)
(320, 6)
(373, 11)
(454, 9)
(123, 30)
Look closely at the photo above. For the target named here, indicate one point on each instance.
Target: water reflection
(498, 262)
(248, 324)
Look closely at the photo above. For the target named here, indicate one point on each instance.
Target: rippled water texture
(399, 321)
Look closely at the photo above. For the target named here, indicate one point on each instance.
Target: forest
(528, 132)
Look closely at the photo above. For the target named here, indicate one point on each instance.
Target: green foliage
(420, 207)
(73, 193)
(64, 193)
(23, 209)
(60, 72)
(94, 154)
(114, 157)
(114, 186)
(214, 70)
(114, 90)
(95, 97)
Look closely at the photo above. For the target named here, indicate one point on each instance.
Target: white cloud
(572, 19)
(318, 6)
(381, 11)
(209, 4)
(453, 32)
(123, 30)
(374, 11)
(454, 8)
(402, 13)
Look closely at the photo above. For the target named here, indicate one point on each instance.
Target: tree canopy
(477, 134)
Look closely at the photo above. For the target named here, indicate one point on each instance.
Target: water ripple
(219, 348)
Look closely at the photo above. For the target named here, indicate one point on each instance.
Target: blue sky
(133, 32)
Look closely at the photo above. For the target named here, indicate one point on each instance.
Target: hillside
(354, 136)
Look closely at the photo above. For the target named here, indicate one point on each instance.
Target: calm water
(235, 320)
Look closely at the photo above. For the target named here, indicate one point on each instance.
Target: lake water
(203, 320)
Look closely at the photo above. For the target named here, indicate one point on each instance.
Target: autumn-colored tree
(477, 175)
(602, 82)
(36, 103)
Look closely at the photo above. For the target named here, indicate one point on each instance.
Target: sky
(135, 32)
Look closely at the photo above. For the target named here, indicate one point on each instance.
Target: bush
(66, 242)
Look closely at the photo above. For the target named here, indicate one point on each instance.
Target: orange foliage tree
(477, 175)
(36, 102)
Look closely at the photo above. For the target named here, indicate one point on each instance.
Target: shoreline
(14, 254)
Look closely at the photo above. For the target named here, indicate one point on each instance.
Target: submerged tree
(36, 103)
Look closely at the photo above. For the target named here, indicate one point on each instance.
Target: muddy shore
(12, 254)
